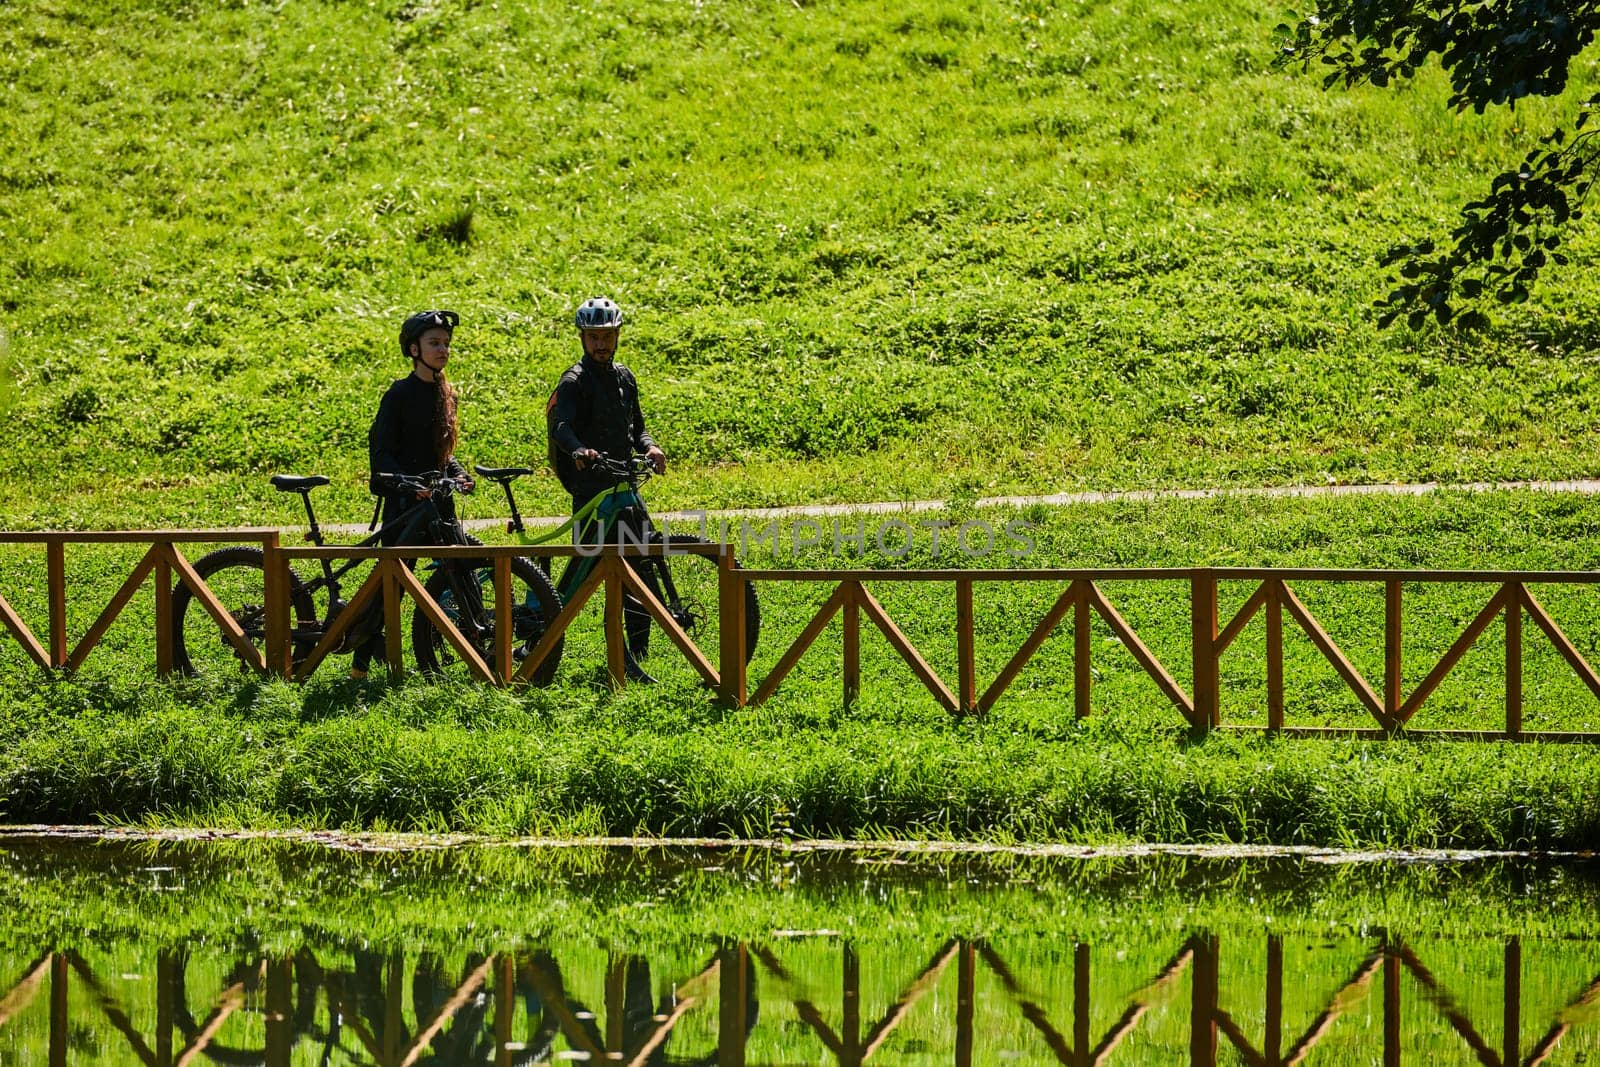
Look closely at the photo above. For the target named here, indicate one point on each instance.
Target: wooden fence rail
(1509, 601)
(389, 582)
(392, 581)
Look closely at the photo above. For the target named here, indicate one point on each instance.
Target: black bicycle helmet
(414, 327)
(599, 314)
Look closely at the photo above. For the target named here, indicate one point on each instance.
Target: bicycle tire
(237, 577)
(695, 608)
(535, 604)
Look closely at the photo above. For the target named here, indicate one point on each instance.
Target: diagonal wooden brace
(658, 611)
(441, 622)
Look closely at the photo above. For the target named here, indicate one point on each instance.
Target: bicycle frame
(421, 517)
(404, 528)
(606, 511)
(606, 508)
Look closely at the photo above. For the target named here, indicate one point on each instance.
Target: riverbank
(881, 850)
(440, 759)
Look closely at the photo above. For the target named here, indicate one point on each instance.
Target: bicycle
(464, 589)
(685, 583)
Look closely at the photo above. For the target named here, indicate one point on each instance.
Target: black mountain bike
(463, 588)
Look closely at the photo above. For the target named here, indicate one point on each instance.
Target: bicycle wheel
(687, 585)
(533, 604)
(236, 576)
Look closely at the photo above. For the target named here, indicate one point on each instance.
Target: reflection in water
(1256, 989)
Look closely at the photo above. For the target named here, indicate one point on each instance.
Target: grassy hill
(868, 249)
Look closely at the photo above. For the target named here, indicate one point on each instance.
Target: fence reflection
(519, 1007)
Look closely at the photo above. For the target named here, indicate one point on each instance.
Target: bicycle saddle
(294, 483)
(501, 474)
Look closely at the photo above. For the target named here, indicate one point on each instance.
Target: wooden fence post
(1511, 1034)
(279, 1010)
(850, 618)
(731, 629)
(1082, 672)
(1203, 616)
(163, 611)
(1392, 697)
(276, 654)
(58, 1009)
(1272, 1040)
(1514, 595)
(1391, 1003)
(616, 1002)
(56, 590)
(504, 620)
(1274, 608)
(1203, 1002)
(616, 651)
(1080, 1005)
(966, 655)
(505, 1007)
(966, 985)
(850, 997)
(733, 990)
(394, 646)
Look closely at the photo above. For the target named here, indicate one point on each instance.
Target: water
(164, 953)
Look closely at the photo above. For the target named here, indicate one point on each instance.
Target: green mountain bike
(685, 583)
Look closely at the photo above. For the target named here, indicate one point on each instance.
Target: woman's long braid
(444, 417)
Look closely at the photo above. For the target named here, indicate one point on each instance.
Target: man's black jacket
(595, 405)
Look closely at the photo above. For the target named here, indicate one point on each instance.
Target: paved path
(1589, 487)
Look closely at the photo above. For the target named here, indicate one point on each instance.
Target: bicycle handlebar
(427, 481)
(634, 469)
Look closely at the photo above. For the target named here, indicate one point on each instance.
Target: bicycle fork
(469, 617)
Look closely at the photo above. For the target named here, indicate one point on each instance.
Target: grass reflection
(162, 953)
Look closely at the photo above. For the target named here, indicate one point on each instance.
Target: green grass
(868, 249)
(494, 897)
(474, 760)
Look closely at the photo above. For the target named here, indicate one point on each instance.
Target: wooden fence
(1509, 600)
(392, 580)
(162, 559)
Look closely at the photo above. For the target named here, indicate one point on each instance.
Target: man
(594, 412)
(415, 431)
(594, 415)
